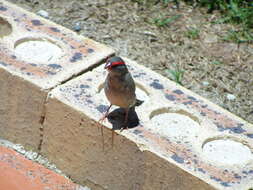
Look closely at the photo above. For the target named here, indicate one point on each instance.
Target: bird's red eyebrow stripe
(117, 63)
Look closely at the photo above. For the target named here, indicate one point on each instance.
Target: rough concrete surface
(35, 56)
(74, 143)
(65, 53)
(21, 110)
(186, 121)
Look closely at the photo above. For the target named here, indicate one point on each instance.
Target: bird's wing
(129, 83)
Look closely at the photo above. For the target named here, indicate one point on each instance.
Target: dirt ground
(212, 68)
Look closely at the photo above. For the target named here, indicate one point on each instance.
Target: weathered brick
(170, 152)
(35, 56)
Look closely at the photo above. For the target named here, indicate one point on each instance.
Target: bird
(119, 87)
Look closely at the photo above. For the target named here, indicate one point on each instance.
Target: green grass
(139, 1)
(165, 21)
(192, 33)
(216, 62)
(166, 1)
(235, 11)
(241, 36)
(176, 75)
(238, 12)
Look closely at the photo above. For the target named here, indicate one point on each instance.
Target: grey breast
(120, 90)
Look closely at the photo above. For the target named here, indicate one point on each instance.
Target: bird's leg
(101, 120)
(126, 120)
(103, 141)
(112, 137)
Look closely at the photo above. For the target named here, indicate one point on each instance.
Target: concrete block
(183, 140)
(35, 56)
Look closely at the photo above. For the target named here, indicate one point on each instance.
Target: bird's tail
(138, 102)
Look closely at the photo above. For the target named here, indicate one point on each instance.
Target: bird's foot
(102, 119)
(124, 127)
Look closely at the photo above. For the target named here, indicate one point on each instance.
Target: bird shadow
(117, 119)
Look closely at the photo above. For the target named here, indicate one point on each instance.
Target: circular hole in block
(141, 92)
(178, 124)
(5, 27)
(226, 151)
(37, 50)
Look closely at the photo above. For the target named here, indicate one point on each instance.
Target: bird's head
(116, 65)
